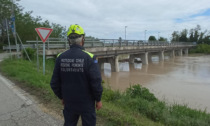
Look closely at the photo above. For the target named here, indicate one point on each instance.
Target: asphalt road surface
(18, 109)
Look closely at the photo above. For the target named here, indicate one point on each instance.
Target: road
(18, 108)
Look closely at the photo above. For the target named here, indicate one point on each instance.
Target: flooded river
(183, 80)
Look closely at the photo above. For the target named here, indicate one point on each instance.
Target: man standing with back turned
(76, 80)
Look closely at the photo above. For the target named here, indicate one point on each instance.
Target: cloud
(202, 13)
(107, 19)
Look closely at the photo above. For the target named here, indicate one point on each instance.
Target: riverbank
(135, 106)
(182, 80)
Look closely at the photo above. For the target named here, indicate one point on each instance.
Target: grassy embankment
(134, 107)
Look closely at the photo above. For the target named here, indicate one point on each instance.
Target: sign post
(44, 33)
(44, 58)
(8, 38)
(37, 53)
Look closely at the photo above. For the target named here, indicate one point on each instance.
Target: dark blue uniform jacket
(77, 80)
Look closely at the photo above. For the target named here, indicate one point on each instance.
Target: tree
(162, 39)
(207, 39)
(175, 36)
(201, 37)
(58, 31)
(191, 35)
(183, 36)
(25, 23)
(5, 13)
(152, 38)
(195, 35)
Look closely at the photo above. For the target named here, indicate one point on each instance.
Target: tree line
(25, 23)
(192, 35)
(153, 38)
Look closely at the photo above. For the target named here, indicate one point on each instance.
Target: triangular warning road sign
(44, 33)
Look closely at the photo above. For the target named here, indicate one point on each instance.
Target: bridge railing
(60, 43)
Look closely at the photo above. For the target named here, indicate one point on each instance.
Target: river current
(182, 80)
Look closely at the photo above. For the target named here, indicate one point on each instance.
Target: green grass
(140, 101)
(25, 72)
(134, 107)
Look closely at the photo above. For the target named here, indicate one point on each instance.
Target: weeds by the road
(136, 106)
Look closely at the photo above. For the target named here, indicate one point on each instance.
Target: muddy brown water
(182, 80)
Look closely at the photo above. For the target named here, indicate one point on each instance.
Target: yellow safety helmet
(76, 29)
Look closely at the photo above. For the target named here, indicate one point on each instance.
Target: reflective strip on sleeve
(59, 54)
(90, 54)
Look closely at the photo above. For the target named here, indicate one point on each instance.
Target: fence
(60, 43)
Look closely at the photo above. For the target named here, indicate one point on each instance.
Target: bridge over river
(110, 50)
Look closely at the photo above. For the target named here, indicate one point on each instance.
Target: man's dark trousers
(71, 119)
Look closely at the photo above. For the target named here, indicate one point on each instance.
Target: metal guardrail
(58, 43)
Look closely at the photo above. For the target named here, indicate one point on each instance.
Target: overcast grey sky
(108, 18)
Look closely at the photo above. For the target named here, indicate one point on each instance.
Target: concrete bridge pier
(172, 55)
(185, 51)
(131, 58)
(161, 56)
(144, 58)
(180, 52)
(101, 62)
(101, 65)
(114, 61)
(149, 57)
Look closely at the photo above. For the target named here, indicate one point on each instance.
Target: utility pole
(158, 36)
(125, 31)
(37, 53)
(13, 26)
(8, 38)
(145, 35)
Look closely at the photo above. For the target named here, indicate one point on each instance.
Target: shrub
(156, 111)
(138, 91)
(31, 53)
(110, 95)
(201, 48)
